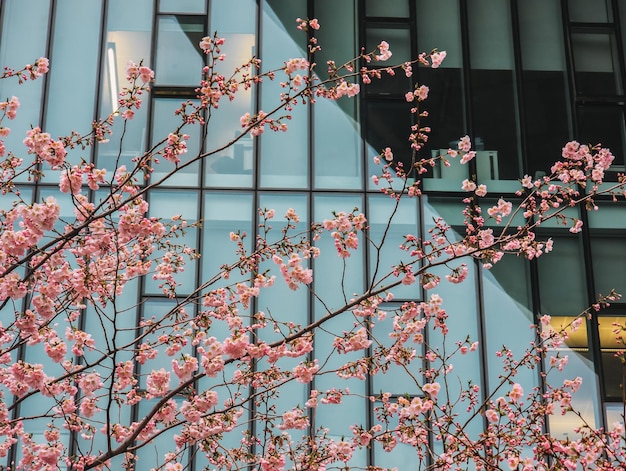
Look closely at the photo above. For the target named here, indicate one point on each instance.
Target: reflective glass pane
(278, 300)
(72, 94)
(585, 401)
(19, 16)
(585, 11)
(182, 6)
(596, 64)
(165, 205)
(399, 39)
(336, 131)
(562, 279)
(179, 59)
(508, 315)
(390, 8)
(233, 166)
(386, 235)
(224, 212)
(609, 216)
(603, 125)
(609, 264)
(128, 38)
(544, 82)
(493, 93)
(168, 121)
(439, 26)
(161, 309)
(388, 124)
(284, 156)
(398, 379)
(612, 331)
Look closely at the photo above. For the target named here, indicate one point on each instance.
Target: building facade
(521, 78)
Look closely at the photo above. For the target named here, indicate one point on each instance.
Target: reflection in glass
(609, 264)
(596, 64)
(584, 11)
(224, 213)
(383, 257)
(604, 125)
(493, 93)
(389, 8)
(128, 38)
(182, 6)
(179, 59)
(71, 106)
(585, 401)
(165, 205)
(168, 121)
(337, 146)
(612, 330)
(20, 16)
(562, 279)
(233, 166)
(284, 157)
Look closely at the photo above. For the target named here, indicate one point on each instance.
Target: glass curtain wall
(507, 81)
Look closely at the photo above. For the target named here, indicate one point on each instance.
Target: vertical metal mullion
(519, 84)
(256, 178)
(467, 79)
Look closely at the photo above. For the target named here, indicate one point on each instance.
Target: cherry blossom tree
(214, 384)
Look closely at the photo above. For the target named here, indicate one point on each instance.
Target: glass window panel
(164, 108)
(585, 401)
(490, 38)
(388, 124)
(609, 216)
(562, 278)
(284, 158)
(337, 285)
(544, 81)
(493, 93)
(20, 16)
(614, 416)
(338, 146)
(439, 26)
(336, 131)
(596, 64)
(604, 125)
(609, 264)
(278, 300)
(159, 309)
(126, 40)
(182, 6)
(508, 314)
(389, 8)
(396, 380)
(233, 166)
(612, 331)
(71, 101)
(152, 454)
(541, 35)
(223, 21)
(179, 59)
(398, 37)
(165, 205)
(224, 213)
(405, 221)
(584, 11)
